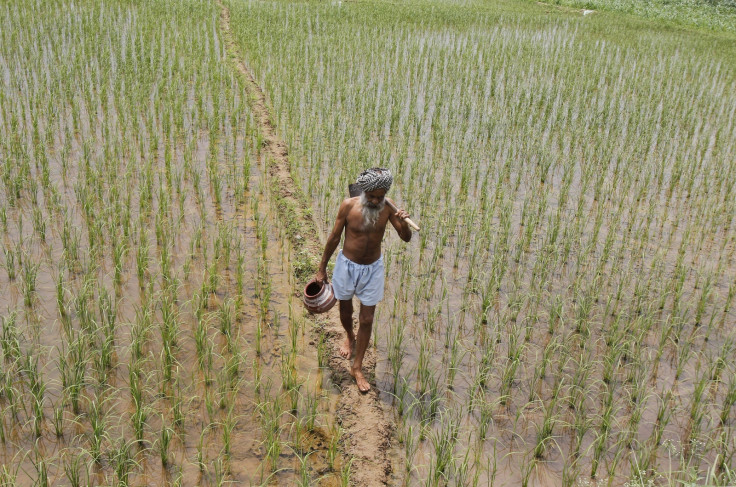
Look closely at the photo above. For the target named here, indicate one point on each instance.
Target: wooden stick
(409, 221)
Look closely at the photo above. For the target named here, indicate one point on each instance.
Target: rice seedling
(333, 445)
(270, 414)
(98, 433)
(123, 462)
(41, 467)
(8, 475)
(163, 444)
(443, 444)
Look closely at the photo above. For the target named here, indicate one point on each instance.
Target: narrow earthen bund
(318, 297)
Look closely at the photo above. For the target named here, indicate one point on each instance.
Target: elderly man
(359, 267)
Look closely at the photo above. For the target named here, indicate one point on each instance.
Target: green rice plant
(223, 387)
(28, 282)
(41, 467)
(73, 372)
(424, 368)
(9, 339)
(168, 362)
(10, 263)
(258, 337)
(644, 458)
(289, 379)
(456, 359)
(507, 378)
(729, 297)
(721, 361)
(228, 427)
(142, 257)
(202, 343)
(201, 451)
(293, 332)
(60, 294)
(213, 277)
(123, 462)
(345, 473)
(169, 327)
(410, 451)
(638, 398)
(485, 420)
(9, 475)
(221, 471)
(443, 445)
(163, 444)
(600, 444)
(527, 468)
(257, 376)
(683, 355)
(270, 414)
(697, 412)
(322, 350)
(707, 287)
(304, 479)
(98, 425)
(139, 419)
(311, 405)
(728, 401)
(139, 333)
(227, 318)
(211, 406)
(38, 390)
(240, 274)
(119, 251)
(462, 471)
(177, 407)
(545, 431)
(333, 445)
(58, 420)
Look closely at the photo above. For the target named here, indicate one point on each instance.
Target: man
(359, 267)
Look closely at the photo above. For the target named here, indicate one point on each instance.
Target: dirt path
(367, 431)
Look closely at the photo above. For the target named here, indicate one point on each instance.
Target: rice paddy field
(150, 333)
(564, 317)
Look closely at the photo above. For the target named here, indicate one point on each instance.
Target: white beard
(370, 214)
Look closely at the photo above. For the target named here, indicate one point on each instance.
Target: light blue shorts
(364, 281)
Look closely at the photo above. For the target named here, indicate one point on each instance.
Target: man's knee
(366, 314)
(346, 309)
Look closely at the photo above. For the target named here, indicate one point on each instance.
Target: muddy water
(514, 426)
(198, 406)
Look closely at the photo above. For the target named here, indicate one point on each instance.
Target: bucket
(318, 297)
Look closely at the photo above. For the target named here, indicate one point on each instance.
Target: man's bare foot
(346, 349)
(363, 385)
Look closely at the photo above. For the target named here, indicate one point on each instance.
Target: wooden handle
(409, 221)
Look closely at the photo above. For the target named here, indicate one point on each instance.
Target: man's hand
(321, 276)
(403, 214)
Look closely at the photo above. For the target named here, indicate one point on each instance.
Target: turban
(375, 178)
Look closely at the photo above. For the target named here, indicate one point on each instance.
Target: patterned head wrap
(375, 178)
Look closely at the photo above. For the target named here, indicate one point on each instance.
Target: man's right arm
(333, 240)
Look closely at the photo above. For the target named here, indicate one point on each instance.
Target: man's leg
(346, 318)
(364, 336)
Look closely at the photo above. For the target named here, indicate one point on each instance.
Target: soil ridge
(367, 432)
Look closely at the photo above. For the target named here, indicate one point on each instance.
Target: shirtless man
(359, 267)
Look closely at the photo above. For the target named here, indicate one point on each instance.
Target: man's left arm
(398, 220)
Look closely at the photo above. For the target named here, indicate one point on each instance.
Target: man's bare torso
(362, 244)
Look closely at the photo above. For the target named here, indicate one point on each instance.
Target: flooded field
(565, 316)
(150, 330)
